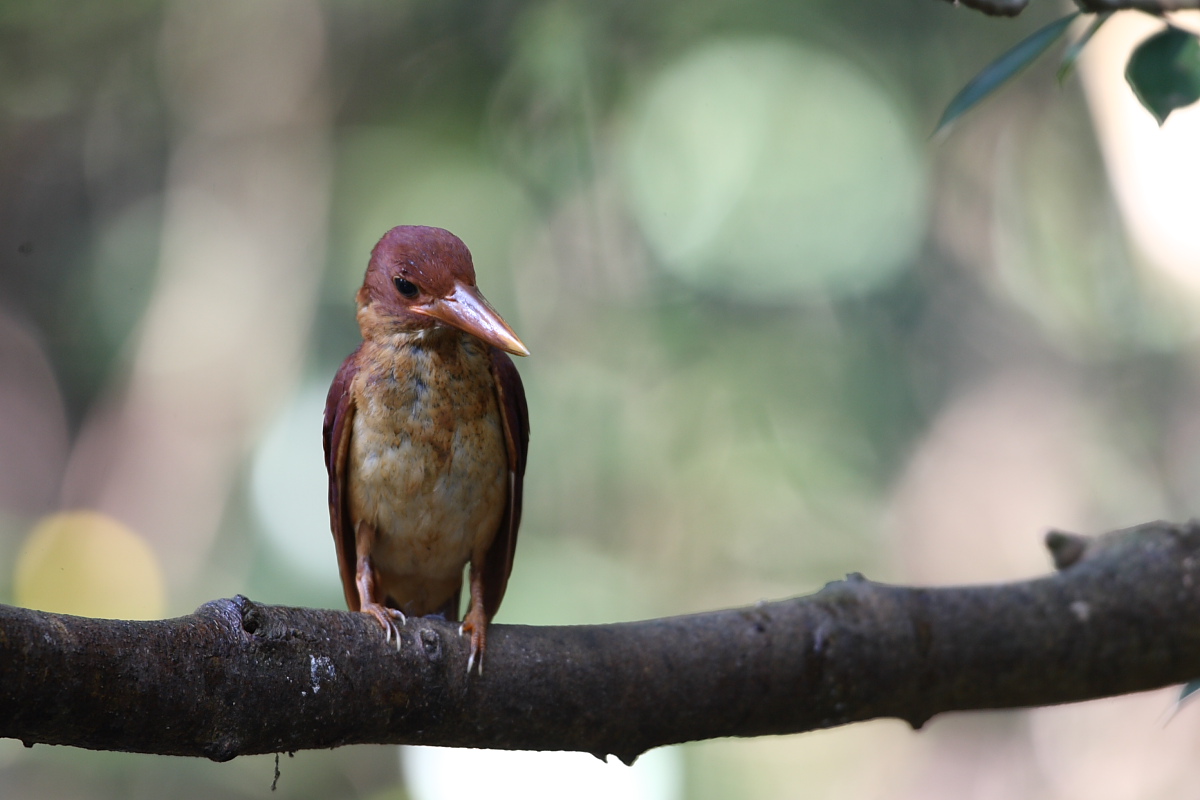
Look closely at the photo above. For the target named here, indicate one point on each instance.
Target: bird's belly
(433, 486)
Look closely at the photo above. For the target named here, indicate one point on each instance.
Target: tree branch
(238, 678)
(1011, 8)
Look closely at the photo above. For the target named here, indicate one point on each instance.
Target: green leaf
(1185, 695)
(1164, 72)
(1072, 54)
(1003, 68)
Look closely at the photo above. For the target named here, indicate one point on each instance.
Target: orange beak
(468, 310)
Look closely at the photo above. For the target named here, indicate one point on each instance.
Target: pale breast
(428, 465)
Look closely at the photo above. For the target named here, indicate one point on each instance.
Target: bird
(426, 431)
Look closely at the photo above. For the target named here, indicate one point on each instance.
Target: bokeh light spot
(290, 489)
(758, 166)
(89, 564)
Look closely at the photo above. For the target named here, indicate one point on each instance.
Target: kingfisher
(425, 433)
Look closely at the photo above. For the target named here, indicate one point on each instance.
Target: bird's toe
(476, 628)
(387, 619)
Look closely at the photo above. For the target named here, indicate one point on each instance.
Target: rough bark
(238, 678)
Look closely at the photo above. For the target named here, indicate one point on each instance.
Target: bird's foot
(475, 626)
(387, 618)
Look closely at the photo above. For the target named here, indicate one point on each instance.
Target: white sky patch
(445, 773)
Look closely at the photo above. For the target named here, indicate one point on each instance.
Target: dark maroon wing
(339, 420)
(514, 415)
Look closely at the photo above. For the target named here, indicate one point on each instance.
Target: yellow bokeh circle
(89, 564)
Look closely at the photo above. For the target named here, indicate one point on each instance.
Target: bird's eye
(405, 287)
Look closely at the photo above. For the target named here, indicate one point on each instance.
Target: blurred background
(778, 335)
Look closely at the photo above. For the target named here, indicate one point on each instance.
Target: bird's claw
(387, 618)
(478, 639)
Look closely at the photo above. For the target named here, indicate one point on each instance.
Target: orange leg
(475, 623)
(364, 578)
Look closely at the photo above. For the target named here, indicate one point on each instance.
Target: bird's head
(420, 278)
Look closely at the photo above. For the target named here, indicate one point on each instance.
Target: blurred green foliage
(750, 286)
